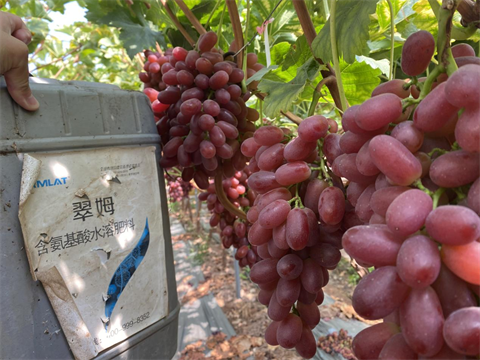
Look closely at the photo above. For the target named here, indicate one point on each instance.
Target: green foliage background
(106, 48)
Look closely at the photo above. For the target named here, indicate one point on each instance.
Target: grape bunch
(177, 188)
(295, 192)
(415, 189)
(201, 111)
(233, 229)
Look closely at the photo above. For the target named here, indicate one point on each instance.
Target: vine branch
(392, 38)
(191, 17)
(237, 29)
(317, 93)
(179, 26)
(310, 34)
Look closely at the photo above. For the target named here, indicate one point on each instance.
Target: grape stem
(247, 23)
(441, 151)
(213, 12)
(445, 15)
(323, 166)
(317, 93)
(222, 197)
(310, 34)
(418, 184)
(336, 63)
(427, 85)
(392, 38)
(220, 24)
(436, 196)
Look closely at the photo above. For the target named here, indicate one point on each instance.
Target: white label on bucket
(93, 231)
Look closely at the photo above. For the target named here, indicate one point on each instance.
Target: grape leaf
(281, 95)
(359, 79)
(57, 5)
(260, 74)
(383, 64)
(135, 37)
(352, 23)
(299, 52)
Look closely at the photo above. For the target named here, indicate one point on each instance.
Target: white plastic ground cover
(93, 232)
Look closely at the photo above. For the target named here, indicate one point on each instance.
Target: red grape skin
(461, 88)
(354, 190)
(250, 147)
(312, 276)
(397, 348)
(296, 230)
(434, 111)
(364, 162)
(445, 354)
(290, 267)
(453, 225)
(368, 343)
(331, 205)
(371, 244)
(345, 166)
(288, 291)
(310, 314)
(297, 149)
(462, 331)
(452, 291)
(263, 200)
(292, 173)
(331, 147)
(462, 49)
(271, 333)
(394, 160)
(263, 181)
(422, 320)
(279, 237)
(394, 86)
(418, 261)
(382, 198)
(274, 214)
(271, 158)
(207, 41)
(264, 271)
(307, 346)
(289, 331)
(417, 52)
(326, 255)
(408, 135)
(268, 135)
(407, 213)
(474, 196)
(314, 189)
(258, 235)
(276, 311)
(467, 129)
(379, 293)
(352, 143)
(363, 209)
(313, 128)
(378, 111)
(454, 169)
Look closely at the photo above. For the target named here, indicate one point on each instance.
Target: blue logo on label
(50, 182)
(125, 271)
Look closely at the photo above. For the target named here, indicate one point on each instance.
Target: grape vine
(397, 187)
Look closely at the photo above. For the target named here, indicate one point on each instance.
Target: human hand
(14, 38)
